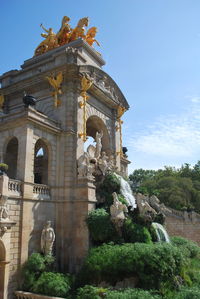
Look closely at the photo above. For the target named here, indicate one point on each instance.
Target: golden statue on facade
(55, 82)
(90, 36)
(65, 31)
(49, 43)
(65, 35)
(79, 30)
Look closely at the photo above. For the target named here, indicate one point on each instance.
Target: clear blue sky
(152, 51)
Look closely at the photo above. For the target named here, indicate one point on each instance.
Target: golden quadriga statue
(66, 35)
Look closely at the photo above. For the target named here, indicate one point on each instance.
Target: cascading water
(127, 192)
(162, 234)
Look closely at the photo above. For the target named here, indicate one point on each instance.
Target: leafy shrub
(133, 232)
(193, 271)
(3, 166)
(101, 227)
(32, 269)
(190, 248)
(153, 233)
(122, 199)
(110, 184)
(152, 264)
(130, 294)
(188, 293)
(52, 284)
(90, 292)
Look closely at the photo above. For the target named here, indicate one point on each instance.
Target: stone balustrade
(14, 188)
(27, 295)
(41, 191)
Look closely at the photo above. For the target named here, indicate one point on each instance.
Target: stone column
(25, 173)
(84, 203)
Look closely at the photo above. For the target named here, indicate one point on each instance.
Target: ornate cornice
(104, 85)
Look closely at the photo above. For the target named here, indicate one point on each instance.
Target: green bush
(153, 233)
(32, 269)
(110, 184)
(100, 226)
(187, 293)
(133, 232)
(52, 284)
(152, 264)
(130, 294)
(4, 166)
(90, 292)
(190, 248)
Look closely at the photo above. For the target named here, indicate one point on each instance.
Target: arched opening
(41, 163)
(2, 269)
(95, 124)
(10, 159)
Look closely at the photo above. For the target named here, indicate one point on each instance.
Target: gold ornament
(2, 99)
(86, 83)
(49, 43)
(90, 36)
(65, 35)
(55, 82)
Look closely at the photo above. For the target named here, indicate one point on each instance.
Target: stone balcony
(39, 191)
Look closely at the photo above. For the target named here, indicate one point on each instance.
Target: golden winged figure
(86, 83)
(120, 111)
(55, 82)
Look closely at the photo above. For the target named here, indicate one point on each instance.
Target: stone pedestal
(84, 203)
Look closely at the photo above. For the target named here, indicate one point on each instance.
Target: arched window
(11, 155)
(41, 163)
(95, 124)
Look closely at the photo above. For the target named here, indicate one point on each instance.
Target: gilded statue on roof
(66, 34)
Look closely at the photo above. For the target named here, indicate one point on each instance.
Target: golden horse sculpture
(79, 30)
(90, 36)
(65, 31)
(66, 35)
(55, 82)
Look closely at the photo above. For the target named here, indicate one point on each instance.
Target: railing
(27, 295)
(14, 188)
(41, 191)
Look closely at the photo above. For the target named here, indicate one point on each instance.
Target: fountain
(127, 192)
(162, 234)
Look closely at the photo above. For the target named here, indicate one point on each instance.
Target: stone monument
(49, 175)
(47, 239)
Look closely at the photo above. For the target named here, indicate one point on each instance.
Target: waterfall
(162, 234)
(127, 192)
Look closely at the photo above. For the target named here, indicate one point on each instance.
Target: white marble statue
(98, 144)
(117, 210)
(111, 163)
(3, 208)
(85, 167)
(103, 163)
(83, 163)
(47, 239)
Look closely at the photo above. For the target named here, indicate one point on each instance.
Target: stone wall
(184, 224)
(37, 214)
(15, 215)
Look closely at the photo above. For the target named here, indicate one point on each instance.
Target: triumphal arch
(49, 108)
